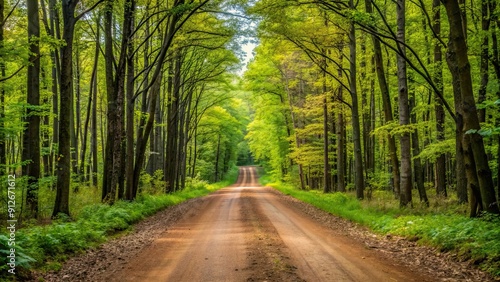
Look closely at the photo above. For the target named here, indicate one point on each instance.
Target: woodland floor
(251, 233)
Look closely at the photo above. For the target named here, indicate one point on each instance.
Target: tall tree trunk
(129, 180)
(3, 141)
(356, 132)
(31, 136)
(217, 154)
(386, 104)
(131, 190)
(44, 130)
(365, 109)
(417, 164)
(53, 29)
(93, 139)
(485, 27)
(63, 168)
(372, 113)
(142, 140)
(458, 60)
(496, 67)
(327, 170)
(109, 59)
(340, 134)
(295, 126)
(186, 129)
(90, 104)
(156, 134)
(167, 167)
(75, 127)
(45, 133)
(181, 152)
(195, 148)
(114, 153)
(171, 164)
(404, 112)
(326, 160)
(440, 165)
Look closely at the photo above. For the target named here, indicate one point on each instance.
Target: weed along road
(247, 232)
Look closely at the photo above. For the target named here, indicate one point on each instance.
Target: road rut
(247, 233)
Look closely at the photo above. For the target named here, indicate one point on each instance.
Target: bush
(23, 260)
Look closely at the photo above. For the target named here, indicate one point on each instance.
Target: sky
(248, 50)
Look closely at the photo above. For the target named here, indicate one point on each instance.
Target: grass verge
(46, 247)
(471, 238)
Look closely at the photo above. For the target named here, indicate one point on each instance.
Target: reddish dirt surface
(246, 232)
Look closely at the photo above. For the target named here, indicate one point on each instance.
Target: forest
(111, 105)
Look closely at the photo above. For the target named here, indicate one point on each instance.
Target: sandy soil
(246, 232)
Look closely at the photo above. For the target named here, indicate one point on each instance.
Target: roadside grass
(46, 247)
(443, 225)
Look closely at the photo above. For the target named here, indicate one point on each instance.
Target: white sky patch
(248, 50)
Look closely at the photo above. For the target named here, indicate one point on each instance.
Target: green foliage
(485, 132)
(22, 259)
(432, 151)
(152, 184)
(380, 180)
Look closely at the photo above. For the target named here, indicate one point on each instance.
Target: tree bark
(484, 58)
(108, 59)
(75, 127)
(173, 126)
(31, 136)
(404, 112)
(326, 160)
(93, 139)
(63, 168)
(142, 139)
(356, 132)
(386, 104)
(327, 170)
(440, 165)
(217, 154)
(417, 164)
(458, 60)
(114, 152)
(3, 141)
(90, 104)
(297, 140)
(56, 75)
(496, 67)
(365, 110)
(129, 180)
(340, 134)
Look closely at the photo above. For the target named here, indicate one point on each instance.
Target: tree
(63, 167)
(404, 110)
(3, 147)
(440, 115)
(31, 137)
(477, 164)
(386, 102)
(116, 94)
(358, 159)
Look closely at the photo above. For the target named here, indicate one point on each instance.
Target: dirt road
(247, 233)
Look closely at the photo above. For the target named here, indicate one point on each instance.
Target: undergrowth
(46, 247)
(474, 239)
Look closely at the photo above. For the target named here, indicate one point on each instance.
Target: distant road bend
(247, 232)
